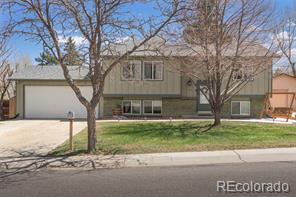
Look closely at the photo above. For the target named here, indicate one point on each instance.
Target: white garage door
(54, 101)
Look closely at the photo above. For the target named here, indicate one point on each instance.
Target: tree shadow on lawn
(184, 130)
(164, 130)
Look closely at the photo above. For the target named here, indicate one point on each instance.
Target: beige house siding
(261, 84)
(169, 85)
(188, 88)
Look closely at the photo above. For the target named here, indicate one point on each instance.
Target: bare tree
(223, 45)
(100, 23)
(5, 69)
(285, 38)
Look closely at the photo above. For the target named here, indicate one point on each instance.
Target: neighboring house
(283, 83)
(144, 85)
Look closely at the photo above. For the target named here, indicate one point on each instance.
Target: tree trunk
(217, 118)
(1, 111)
(91, 129)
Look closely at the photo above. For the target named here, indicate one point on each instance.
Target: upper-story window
(243, 73)
(131, 70)
(152, 70)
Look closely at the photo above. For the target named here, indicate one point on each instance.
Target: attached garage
(43, 93)
(53, 101)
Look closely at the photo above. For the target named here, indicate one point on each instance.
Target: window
(131, 70)
(148, 69)
(238, 74)
(152, 107)
(127, 107)
(202, 98)
(147, 107)
(136, 107)
(240, 107)
(157, 107)
(235, 108)
(243, 73)
(153, 70)
(131, 107)
(248, 72)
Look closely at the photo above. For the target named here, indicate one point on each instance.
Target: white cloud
(293, 52)
(79, 40)
(283, 35)
(122, 39)
(283, 61)
(292, 24)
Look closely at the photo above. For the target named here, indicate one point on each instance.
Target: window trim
(240, 108)
(250, 75)
(153, 62)
(234, 75)
(131, 107)
(122, 78)
(243, 71)
(152, 107)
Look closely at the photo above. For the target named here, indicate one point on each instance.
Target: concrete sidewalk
(263, 120)
(155, 159)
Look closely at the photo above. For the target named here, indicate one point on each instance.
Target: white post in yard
(71, 117)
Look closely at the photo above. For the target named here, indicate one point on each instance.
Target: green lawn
(149, 137)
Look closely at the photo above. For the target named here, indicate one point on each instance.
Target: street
(147, 181)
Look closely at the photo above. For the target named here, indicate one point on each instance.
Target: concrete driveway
(33, 137)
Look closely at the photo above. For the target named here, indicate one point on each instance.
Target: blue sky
(23, 47)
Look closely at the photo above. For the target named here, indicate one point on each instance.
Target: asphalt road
(195, 181)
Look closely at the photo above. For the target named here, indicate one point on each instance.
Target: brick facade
(178, 107)
(110, 104)
(256, 106)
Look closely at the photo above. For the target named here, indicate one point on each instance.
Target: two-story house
(145, 84)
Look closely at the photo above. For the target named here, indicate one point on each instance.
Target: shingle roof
(158, 47)
(52, 72)
(284, 74)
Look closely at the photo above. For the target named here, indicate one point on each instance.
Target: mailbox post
(71, 117)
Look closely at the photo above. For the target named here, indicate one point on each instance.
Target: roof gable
(284, 75)
(53, 72)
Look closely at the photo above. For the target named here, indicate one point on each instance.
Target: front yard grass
(151, 137)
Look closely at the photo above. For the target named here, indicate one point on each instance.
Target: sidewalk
(146, 160)
(263, 120)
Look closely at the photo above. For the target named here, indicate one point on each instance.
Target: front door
(203, 106)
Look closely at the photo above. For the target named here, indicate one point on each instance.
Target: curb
(145, 160)
(212, 157)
